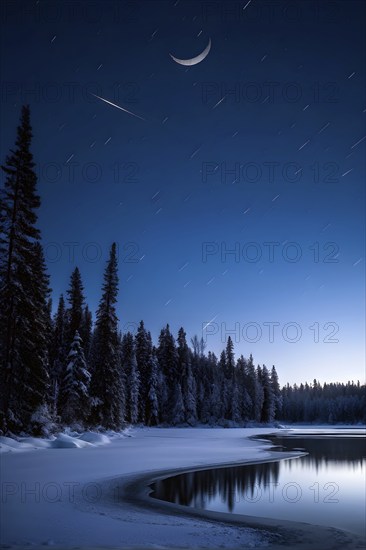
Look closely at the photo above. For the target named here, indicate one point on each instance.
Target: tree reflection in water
(235, 483)
(325, 450)
(230, 483)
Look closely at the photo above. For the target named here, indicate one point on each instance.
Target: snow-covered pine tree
(168, 362)
(58, 352)
(143, 346)
(251, 386)
(276, 392)
(122, 376)
(106, 385)
(49, 320)
(216, 405)
(153, 392)
(73, 399)
(227, 366)
(74, 313)
(268, 407)
(230, 361)
(39, 382)
(215, 375)
(258, 395)
(188, 386)
(190, 398)
(236, 404)
(245, 400)
(134, 389)
(178, 413)
(183, 355)
(23, 291)
(162, 389)
(86, 330)
(204, 397)
(226, 385)
(127, 348)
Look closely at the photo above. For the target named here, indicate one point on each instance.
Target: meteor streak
(117, 106)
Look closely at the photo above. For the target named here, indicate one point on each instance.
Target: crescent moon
(194, 60)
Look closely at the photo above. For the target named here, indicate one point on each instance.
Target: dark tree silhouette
(24, 291)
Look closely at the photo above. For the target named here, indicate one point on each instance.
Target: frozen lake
(325, 487)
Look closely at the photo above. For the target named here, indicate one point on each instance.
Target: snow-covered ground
(65, 493)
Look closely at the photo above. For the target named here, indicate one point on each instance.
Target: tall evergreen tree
(222, 362)
(216, 403)
(24, 323)
(178, 406)
(186, 378)
(153, 392)
(134, 390)
(106, 384)
(86, 330)
(143, 345)
(74, 400)
(276, 391)
(39, 358)
(229, 356)
(268, 406)
(127, 350)
(75, 311)
(243, 386)
(58, 351)
(225, 385)
(251, 386)
(246, 399)
(183, 353)
(236, 404)
(258, 395)
(168, 362)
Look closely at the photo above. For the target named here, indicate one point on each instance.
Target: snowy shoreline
(116, 511)
(278, 532)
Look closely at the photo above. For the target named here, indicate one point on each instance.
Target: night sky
(238, 199)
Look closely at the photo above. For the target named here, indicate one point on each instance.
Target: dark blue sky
(256, 150)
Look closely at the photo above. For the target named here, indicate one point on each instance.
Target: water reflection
(325, 450)
(197, 488)
(324, 487)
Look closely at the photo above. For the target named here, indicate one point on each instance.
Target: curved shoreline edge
(136, 490)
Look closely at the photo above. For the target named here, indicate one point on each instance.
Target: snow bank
(95, 438)
(32, 443)
(9, 444)
(68, 440)
(64, 441)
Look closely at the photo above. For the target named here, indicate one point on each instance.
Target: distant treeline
(333, 402)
